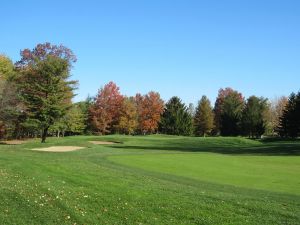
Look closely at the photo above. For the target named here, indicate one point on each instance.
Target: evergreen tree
(253, 120)
(204, 118)
(44, 83)
(176, 120)
(228, 112)
(297, 113)
(290, 120)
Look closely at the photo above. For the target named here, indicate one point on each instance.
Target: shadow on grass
(265, 148)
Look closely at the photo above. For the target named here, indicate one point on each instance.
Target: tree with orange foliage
(150, 108)
(105, 112)
(128, 117)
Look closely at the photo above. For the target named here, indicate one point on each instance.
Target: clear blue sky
(185, 48)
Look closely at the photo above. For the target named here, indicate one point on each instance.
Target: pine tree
(253, 119)
(176, 119)
(204, 118)
(228, 112)
(290, 120)
(44, 84)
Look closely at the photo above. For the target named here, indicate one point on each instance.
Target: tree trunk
(44, 134)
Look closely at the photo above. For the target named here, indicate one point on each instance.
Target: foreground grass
(151, 180)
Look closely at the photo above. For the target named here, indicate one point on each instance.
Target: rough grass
(151, 180)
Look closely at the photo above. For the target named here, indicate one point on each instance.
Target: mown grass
(278, 174)
(151, 180)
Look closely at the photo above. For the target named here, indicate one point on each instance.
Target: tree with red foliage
(150, 108)
(42, 52)
(105, 112)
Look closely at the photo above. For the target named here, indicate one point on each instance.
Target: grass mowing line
(199, 184)
(271, 173)
(93, 190)
(103, 142)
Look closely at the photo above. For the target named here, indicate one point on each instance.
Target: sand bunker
(59, 149)
(13, 142)
(102, 142)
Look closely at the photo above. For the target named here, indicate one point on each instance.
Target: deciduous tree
(7, 71)
(105, 111)
(11, 109)
(128, 120)
(150, 107)
(42, 52)
(84, 107)
(204, 117)
(72, 123)
(277, 107)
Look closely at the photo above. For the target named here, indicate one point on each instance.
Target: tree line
(36, 101)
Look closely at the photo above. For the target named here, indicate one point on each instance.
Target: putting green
(272, 173)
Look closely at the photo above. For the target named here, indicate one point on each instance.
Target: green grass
(152, 180)
(278, 174)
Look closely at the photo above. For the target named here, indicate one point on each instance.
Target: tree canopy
(289, 125)
(228, 110)
(44, 84)
(176, 119)
(149, 108)
(104, 112)
(36, 96)
(204, 117)
(253, 122)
